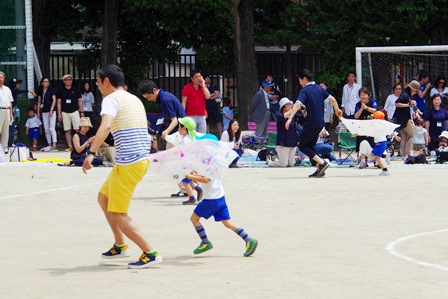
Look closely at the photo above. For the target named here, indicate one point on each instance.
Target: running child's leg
(205, 243)
(251, 243)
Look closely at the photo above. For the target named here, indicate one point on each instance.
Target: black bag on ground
(442, 157)
(419, 159)
(262, 154)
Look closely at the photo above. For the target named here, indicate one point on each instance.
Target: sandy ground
(319, 238)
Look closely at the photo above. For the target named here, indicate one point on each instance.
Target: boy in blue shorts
(214, 204)
(32, 126)
(380, 145)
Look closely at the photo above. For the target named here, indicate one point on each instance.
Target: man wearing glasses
(70, 108)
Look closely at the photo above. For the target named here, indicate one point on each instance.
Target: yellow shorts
(71, 118)
(120, 185)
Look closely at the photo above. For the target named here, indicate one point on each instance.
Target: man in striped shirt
(123, 114)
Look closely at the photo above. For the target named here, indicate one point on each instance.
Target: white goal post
(402, 60)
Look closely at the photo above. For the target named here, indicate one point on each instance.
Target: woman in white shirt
(439, 86)
(88, 100)
(389, 106)
(233, 136)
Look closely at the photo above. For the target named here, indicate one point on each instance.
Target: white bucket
(3, 158)
(18, 153)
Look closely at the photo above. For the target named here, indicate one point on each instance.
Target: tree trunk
(41, 34)
(245, 63)
(109, 39)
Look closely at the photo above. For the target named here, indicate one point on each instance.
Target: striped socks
(201, 232)
(242, 233)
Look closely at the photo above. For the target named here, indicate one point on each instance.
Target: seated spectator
(363, 110)
(442, 150)
(287, 138)
(421, 137)
(81, 144)
(233, 135)
(436, 120)
(324, 147)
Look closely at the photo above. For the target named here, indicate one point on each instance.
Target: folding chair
(346, 144)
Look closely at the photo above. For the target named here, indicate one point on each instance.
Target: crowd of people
(300, 130)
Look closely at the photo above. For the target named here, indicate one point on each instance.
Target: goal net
(379, 68)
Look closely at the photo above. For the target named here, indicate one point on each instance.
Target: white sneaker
(362, 164)
(384, 173)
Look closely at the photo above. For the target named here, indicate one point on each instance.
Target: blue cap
(265, 83)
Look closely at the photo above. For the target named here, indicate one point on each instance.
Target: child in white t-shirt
(33, 127)
(421, 137)
(214, 204)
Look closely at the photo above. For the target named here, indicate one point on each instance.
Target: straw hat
(415, 85)
(66, 76)
(85, 122)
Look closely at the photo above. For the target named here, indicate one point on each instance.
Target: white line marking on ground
(56, 189)
(391, 249)
(48, 190)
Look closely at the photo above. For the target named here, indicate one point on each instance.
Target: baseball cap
(265, 83)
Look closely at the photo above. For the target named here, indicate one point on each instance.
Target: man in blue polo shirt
(171, 106)
(425, 85)
(311, 101)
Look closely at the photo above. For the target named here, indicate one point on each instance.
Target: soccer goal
(379, 68)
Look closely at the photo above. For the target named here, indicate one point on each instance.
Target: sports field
(352, 234)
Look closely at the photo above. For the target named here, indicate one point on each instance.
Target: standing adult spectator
(403, 118)
(171, 107)
(227, 113)
(420, 96)
(124, 115)
(287, 139)
(389, 106)
(439, 86)
(46, 104)
(14, 85)
(194, 96)
(261, 109)
(328, 109)
(69, 108)
(172, 110)
(88, 100)
(350, 95)
(435, 121)
(274, 95)
(214, 117)
(312, 98)
(6, 115)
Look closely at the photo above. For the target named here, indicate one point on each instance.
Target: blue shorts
(379, 148)
(213, 207)
(185, 180)
(33, 133)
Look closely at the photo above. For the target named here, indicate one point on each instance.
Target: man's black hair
(147, 86)
(306, 74)
(194, 72)
(114, 73)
